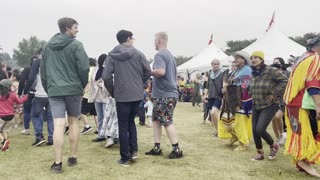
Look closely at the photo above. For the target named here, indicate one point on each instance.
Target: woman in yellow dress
(235, 120)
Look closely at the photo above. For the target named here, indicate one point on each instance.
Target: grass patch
(205, 157)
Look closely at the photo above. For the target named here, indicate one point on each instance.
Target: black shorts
(88, 108)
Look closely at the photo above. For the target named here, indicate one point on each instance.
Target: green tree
(5, 57)
(238, 45)
(26, 48)
(182, 59)
(302, 40)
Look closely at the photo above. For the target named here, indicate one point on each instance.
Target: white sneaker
(110, 142)
(25, 132)
(282, 139)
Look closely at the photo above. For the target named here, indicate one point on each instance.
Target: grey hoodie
(130, 69)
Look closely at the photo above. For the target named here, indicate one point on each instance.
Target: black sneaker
(86, 130)
(134, 155)
(123, 163)
(49, 143)
(97, 139)
(66, 131)
(175, 154)
(56, 168)
(96, 132)
(142, 123)
(72, 161)
(154, 152)
(38, 142)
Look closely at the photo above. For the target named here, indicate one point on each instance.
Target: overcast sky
(189, 23)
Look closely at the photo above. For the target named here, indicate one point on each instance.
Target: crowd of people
(244, 99)
(62, 86)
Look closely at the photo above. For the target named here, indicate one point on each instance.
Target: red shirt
(6, 104)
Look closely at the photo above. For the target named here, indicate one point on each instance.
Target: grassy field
(205, 157)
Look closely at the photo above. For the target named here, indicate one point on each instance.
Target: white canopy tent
(275, 44)
(202, 61)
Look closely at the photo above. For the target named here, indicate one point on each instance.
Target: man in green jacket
(64, 73)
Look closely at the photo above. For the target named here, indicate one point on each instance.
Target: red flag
(272, 21)
(210, 41)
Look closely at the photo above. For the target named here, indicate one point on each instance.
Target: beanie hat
(259, 54)
(5, 83)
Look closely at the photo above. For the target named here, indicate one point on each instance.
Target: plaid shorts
(163, 110)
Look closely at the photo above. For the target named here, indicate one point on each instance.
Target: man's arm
(107, 76)
(159, 66)
(43, 71)
(32, 75)
(82, 61)
(23, 79)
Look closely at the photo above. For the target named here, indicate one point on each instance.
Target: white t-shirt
(149, 107)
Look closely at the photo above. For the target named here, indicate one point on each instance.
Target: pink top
(6, 105)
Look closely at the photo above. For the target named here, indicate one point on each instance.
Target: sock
(87, 126)
(156, 145)
(175, 147)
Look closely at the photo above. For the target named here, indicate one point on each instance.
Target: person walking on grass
(64, 74)
(87, 106)
(165, 95)
(278, 123)
(100, 95)
(39, 104)
(214, 93)
(267, 85)
(149, 106)
(7, 112)
(28, 104)
(125, 73)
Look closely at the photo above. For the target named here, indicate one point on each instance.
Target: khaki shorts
(5, 126)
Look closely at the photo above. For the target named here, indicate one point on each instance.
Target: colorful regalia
(235, 119)
(302, 143)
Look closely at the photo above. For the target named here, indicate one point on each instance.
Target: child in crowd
(18, 119)
(7, 112)
(149, 107)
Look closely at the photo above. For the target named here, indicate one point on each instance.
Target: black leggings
(313, 122)
(260, 121)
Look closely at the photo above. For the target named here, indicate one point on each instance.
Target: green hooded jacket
(64, 67)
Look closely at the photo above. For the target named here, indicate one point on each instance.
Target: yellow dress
(238, 125)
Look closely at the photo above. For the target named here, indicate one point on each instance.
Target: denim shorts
(214, 102)
(62, 104)
(163, 110)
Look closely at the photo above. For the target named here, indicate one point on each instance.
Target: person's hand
(271, 98)
(224, 90)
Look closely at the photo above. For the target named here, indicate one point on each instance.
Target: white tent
(275, 44)
(202, 61)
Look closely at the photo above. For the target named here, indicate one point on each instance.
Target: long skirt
(110, 121)
(301, 143)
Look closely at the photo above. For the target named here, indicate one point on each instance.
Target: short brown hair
(65, 23)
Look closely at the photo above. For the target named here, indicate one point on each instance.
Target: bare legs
(58, 136)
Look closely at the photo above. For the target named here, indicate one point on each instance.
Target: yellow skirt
(300, 143)
(240, 126)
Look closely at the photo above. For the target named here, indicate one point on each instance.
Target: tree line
(28, 47)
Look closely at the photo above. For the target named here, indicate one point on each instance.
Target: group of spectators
(63, 85)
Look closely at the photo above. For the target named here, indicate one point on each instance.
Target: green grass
(205, 157)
